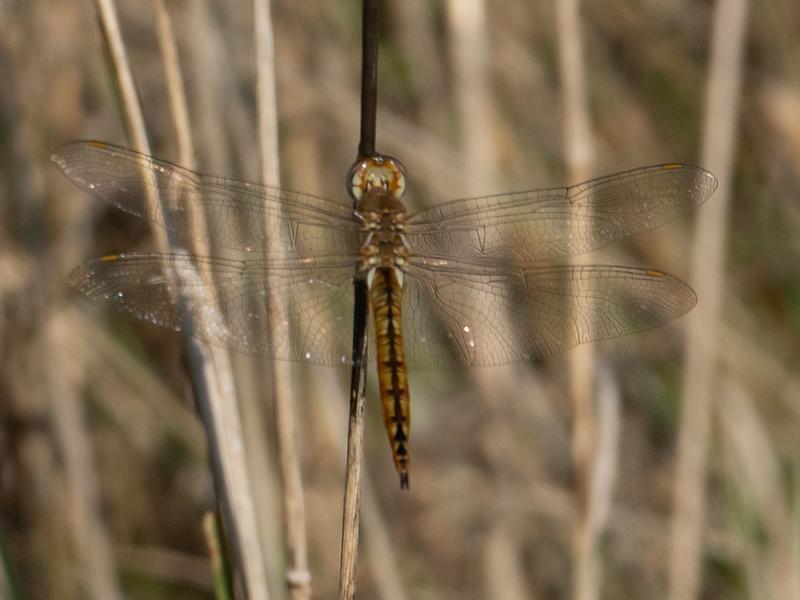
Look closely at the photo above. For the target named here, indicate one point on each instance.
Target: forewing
(540, 224)
(233, 212)
(312, 321)
(455, 318)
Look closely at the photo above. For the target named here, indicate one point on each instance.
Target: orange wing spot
(656, 273)
(110, 257)
(96, 144)
(671, 166)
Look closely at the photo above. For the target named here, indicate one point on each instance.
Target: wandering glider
(467, 283)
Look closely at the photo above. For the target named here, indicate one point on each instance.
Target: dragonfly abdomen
(386, 296)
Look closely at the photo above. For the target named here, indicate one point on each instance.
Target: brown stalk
(93, 545)
(358, 377)
(298, 577)
(699, 383)
(469, 53)
(212, 381)
(595, 417)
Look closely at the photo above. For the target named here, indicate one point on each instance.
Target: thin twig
(298, 577)
(223, 583)
(221, 108)
(176, 93)
(358, 378)
(469, 54)
(719, 141)
(369, 77)
(89, 534)
(355, 447)
(212, 384)
(503, 564)
(585, 428)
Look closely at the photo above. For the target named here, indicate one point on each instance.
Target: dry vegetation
(105, 474)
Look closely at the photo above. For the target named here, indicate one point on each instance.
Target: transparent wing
(312, 322)
(235, 211)
(540, 224)
(455, 316)
(460, 316)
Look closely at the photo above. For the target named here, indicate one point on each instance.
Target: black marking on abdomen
(386, 299)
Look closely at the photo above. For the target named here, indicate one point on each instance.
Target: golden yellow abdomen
(386, 299)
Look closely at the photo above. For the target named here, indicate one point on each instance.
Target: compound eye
(356, 182)
(397, 178)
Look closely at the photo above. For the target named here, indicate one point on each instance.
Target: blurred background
(690, 486)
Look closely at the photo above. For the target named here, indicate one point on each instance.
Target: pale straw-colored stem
(595, 508)
(593, 490)
(352, 493)
(469, 54)
(298, 577)
(211, 377)
(93, 545)
(505, 570)
(176, 93)
(699, 387)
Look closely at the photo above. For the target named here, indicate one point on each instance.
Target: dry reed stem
(469, 54)
(377, 539)
(595, 507)
(211, 378)
(205, 54)
(220, 357)
(176, 94)
(298, 577)
(505, 572)
(93, 545)
(354, 462)
(719, 141)
(470, 58)
(352, 492)
(220, 566)
(222, 115)
(593, 455)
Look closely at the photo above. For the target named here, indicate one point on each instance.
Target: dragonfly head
(377, 173)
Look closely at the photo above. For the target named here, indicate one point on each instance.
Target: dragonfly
(467, 283)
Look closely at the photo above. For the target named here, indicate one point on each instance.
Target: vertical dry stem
(212, 380)
(505, 571)
(298, 577)
(592, 468)
(699, 387)
(466, 20)
(93, 545)
(176, 93)
(352, 493)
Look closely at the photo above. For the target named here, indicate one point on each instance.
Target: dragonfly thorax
(383, 220)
